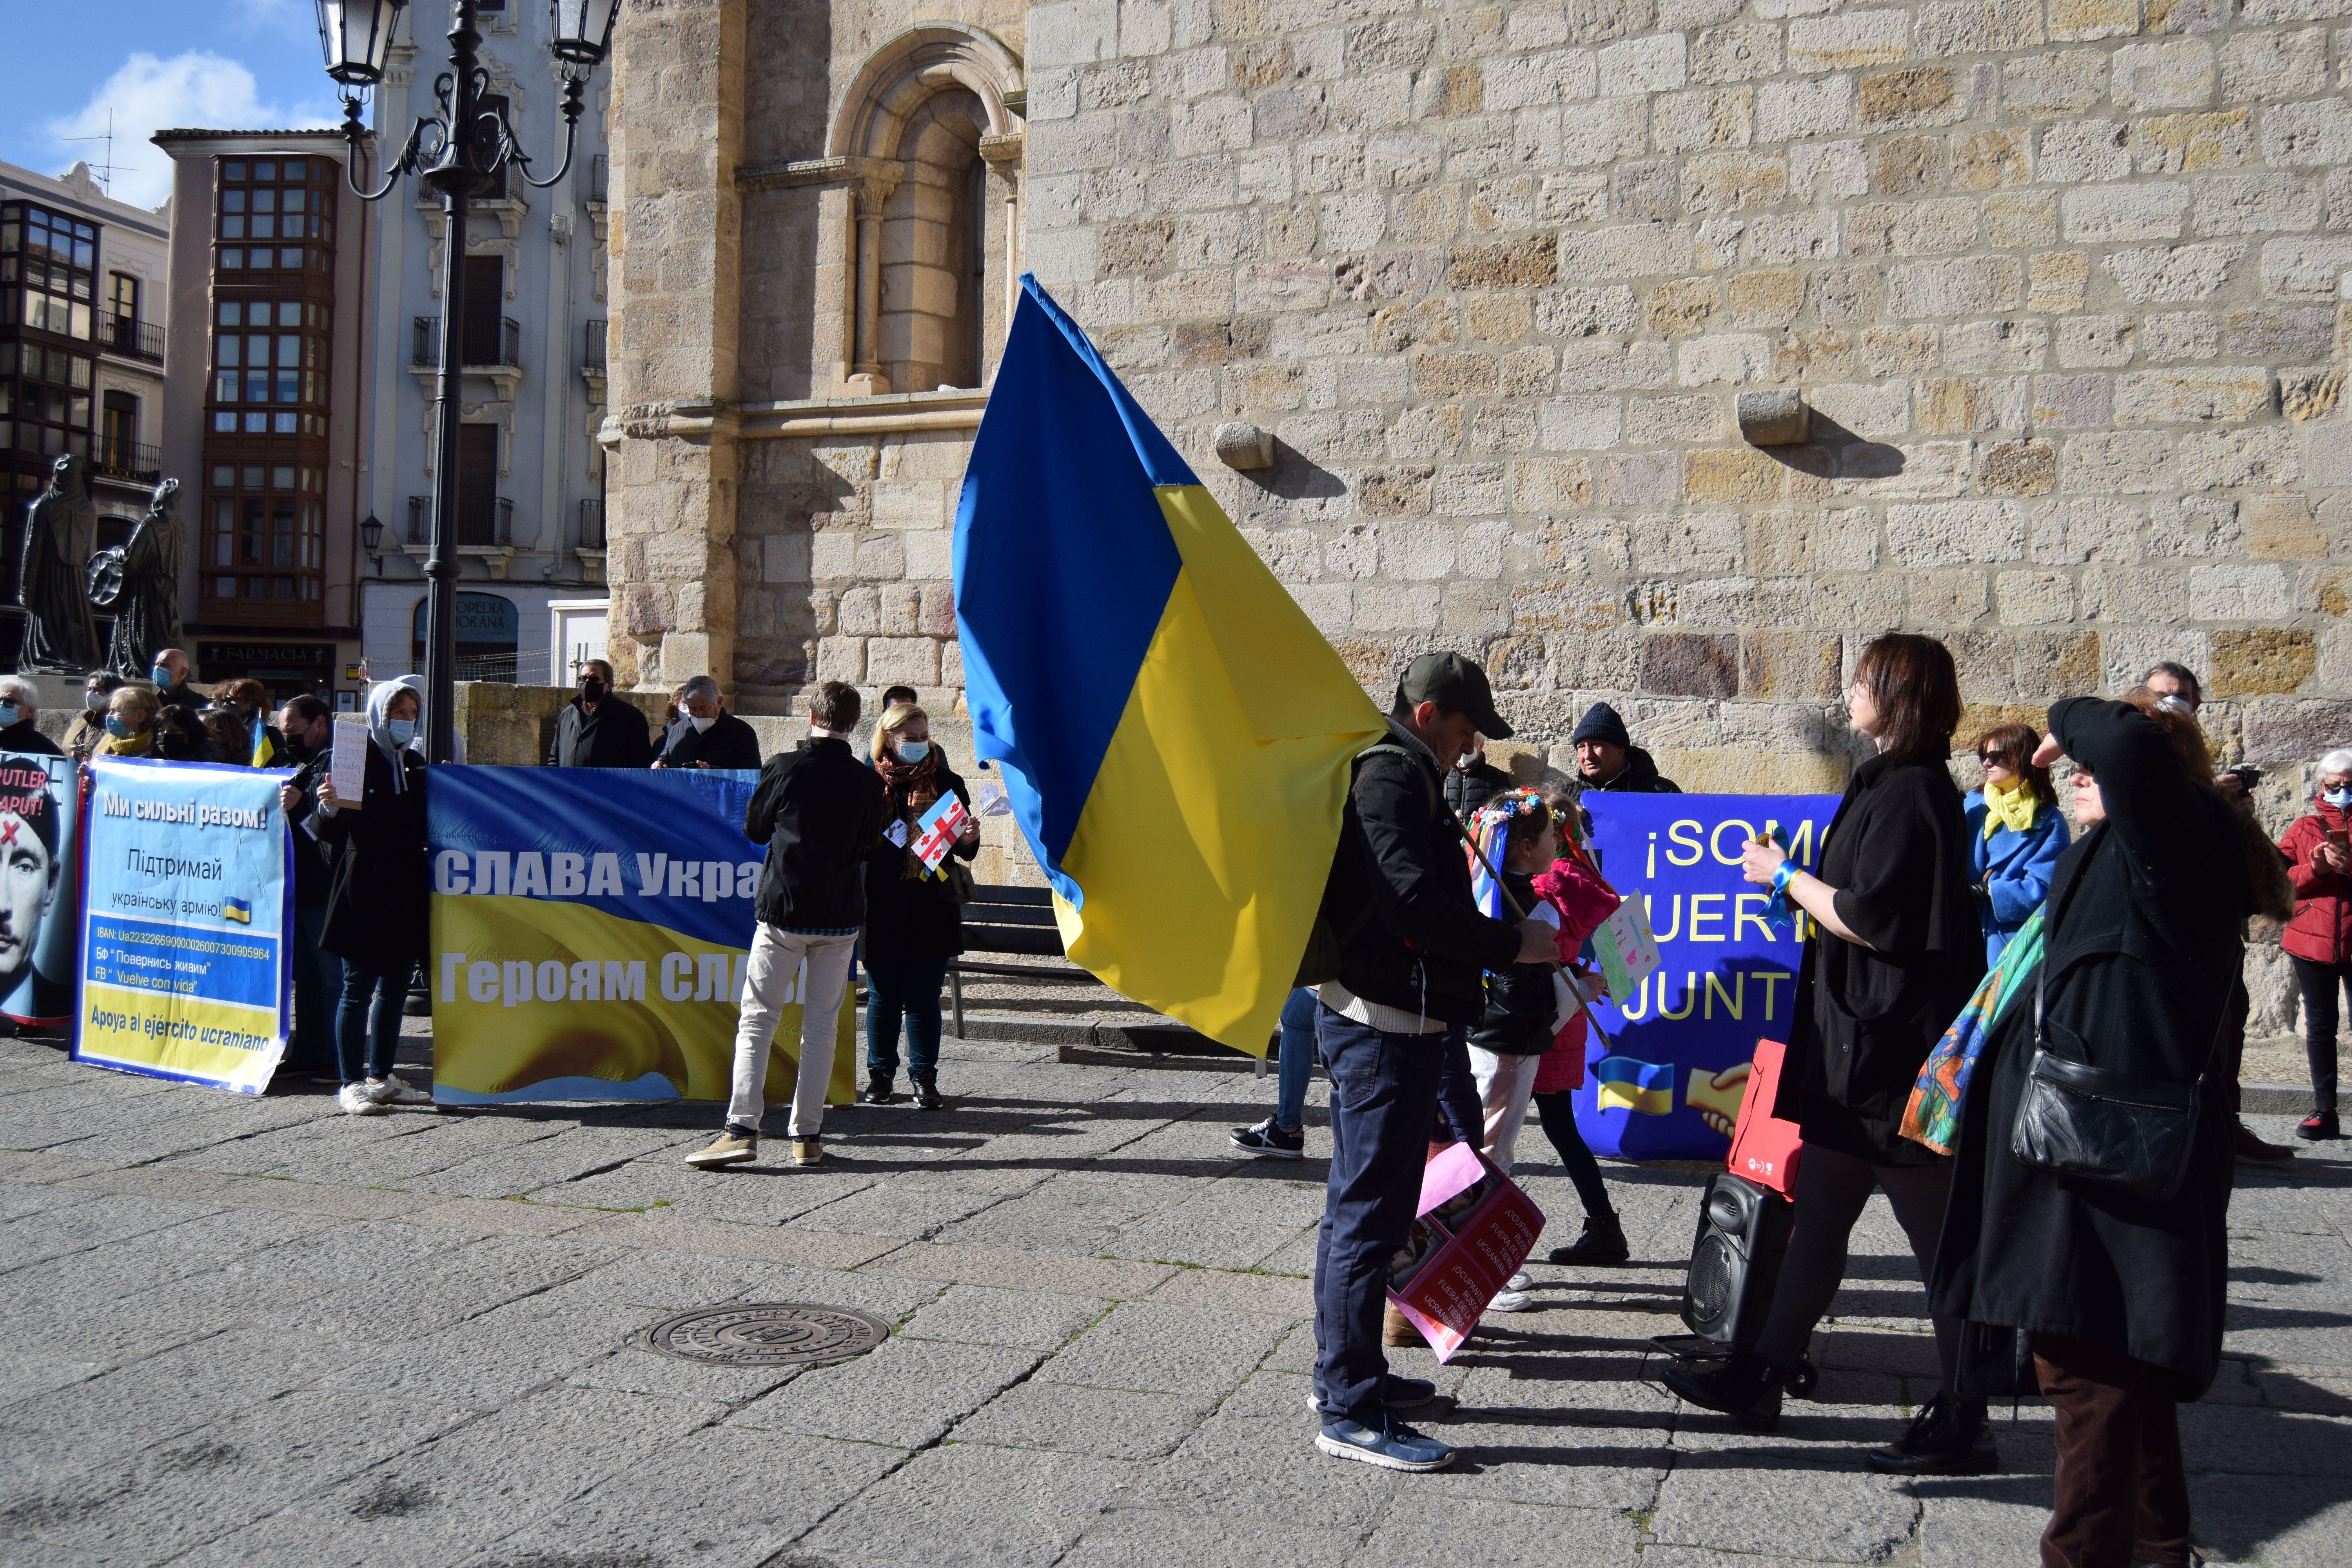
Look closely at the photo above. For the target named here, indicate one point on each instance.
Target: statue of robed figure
(139, 581)
(60, 526)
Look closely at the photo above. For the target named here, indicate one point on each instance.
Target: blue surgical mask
(2339, 798)
(9, 714)
(913, 751)
(117, 727)
(159, 676)
(402, 731)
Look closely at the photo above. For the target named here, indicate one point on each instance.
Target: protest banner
(1473, 1230)
(1668, 1083)
(590, 930)
(185, 967)
(40, 886)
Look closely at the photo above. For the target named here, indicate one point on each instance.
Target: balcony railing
(592, 523)
(600, 177)
(484, 521)
(129, 335)
(591, 354)
(480, 343)
(126, 460)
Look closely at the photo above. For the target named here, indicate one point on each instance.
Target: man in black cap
(1607, 759)
(1414, 949)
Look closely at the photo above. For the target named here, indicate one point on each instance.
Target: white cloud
(147, 95)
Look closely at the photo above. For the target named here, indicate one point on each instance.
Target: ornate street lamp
(457, 154)
(372, 541)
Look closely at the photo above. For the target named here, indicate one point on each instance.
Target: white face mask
(701, 724)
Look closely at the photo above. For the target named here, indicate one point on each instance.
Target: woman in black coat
(2122, 1296)
(376, 905)
(1893, 957)
(913, 924)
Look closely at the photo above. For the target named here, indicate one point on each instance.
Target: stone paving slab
(241, 1333)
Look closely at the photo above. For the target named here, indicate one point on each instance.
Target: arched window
(934, 249)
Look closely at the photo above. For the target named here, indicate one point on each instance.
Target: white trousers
(1504, 1084)
(784, 967)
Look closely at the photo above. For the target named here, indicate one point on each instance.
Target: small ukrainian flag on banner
(238, 909)
(1174, 735)
(1645, 1087)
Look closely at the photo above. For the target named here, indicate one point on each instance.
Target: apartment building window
(123, 297)
(265, 532)
(44, 400)
(270, 367)
(275, 213)
(47, 271)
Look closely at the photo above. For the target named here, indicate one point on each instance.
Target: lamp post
(372, 541)
(454, 154)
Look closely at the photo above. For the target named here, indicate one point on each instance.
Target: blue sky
(157, 63)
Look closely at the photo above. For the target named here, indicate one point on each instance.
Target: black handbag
(2119, 1131)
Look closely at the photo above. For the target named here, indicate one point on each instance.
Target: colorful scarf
(913, 787)
(1933, 1117)
(2009, 806)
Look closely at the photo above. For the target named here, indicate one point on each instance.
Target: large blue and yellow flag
(1174, 733)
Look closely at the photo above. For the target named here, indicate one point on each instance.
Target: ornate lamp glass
(356, 36)
(584, 30)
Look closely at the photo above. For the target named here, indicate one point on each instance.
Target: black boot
(927, 1092)
(1746, 1388)
(877, 1089)
(1603, 1242)
(1950, 1438)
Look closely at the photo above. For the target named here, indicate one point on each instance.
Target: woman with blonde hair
(131, 714)
(914, 920)
(2015, 834)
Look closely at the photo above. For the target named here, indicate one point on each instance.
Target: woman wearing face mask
(88, 727)
(2015, 833)
(181, 736)
(2318, 940)
(913, 922)
(130, 716)
(19, 706)
(376, 905)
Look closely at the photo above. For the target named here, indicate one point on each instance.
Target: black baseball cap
(1453, 681)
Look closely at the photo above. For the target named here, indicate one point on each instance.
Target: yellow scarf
(2008, 805)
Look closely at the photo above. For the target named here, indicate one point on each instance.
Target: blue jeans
(911, 992)
(318, 989)
(1462, 1110)
(1295, 1061)
(357, 1033)
(1383, 1102)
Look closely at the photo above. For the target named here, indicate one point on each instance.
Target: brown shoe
(2249, 1146)
(807, 1152)
(733, 1149)
(1397, 1331)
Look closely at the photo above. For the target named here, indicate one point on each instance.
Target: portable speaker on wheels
(1743, 1232)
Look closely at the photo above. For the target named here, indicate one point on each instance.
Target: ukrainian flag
(238, 909)
(1645, 1087)
(1174, 733)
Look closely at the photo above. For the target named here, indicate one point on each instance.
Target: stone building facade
(2061, 282)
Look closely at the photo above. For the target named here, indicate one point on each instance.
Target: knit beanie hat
(1600, 724)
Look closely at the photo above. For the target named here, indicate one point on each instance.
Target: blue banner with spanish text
(590, 930)
(1667, 1082)
(185, 965)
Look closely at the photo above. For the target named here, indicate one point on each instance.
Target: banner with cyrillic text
(1667, 1084)
(590, 931)
(186, 967)
(40, 886)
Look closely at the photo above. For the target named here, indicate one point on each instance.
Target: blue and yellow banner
(589, 934)
(40, 886)
(173, 984)
(1667, 1085)
(1173, 732)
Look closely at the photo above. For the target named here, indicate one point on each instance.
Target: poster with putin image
(40, 887)
(1667, 1081)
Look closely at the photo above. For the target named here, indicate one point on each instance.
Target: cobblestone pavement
(254, 1331)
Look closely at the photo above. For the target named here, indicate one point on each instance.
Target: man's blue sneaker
(1405, 1394)
(1393, 1446)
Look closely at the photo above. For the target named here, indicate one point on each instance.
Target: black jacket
(819, 811)
(1638, 777)
(1424, 947)
(1865, 1017)
(313, 856)
(376, 903)
(1520, 999)
(2143, 951)
(25, 735)
(913, 919)
(613, 736)
(182, 696)
(728, 743)
(1468, 789)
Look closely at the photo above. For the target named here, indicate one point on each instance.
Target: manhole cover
(768, 1333)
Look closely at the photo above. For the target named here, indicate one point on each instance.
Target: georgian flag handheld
(938, 828)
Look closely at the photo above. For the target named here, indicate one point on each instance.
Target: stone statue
(60, 526)
(141, 582)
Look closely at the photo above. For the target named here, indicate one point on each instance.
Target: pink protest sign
(1474, 1231)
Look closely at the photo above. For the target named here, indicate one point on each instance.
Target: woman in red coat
(2319, 938)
